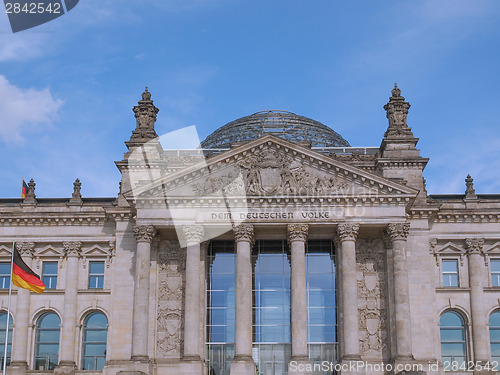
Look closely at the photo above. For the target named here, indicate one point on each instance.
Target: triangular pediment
(493, 249)
(96, 250)
(450, 248)
(272, 167)
(49, 251)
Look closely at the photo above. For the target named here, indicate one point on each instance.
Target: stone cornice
(244, 232)
(348, 231)
(144, 233)
(467, 217)
(297, 232)
(52, 220)
(398, 231)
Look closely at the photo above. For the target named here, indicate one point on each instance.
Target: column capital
(244, 232)
(474, 245)
(144, 233)
(193, 233)
(72, 248)
(398, 231)
(348, 231)
(297, 232)
(25, 248)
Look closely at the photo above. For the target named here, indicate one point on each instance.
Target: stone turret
(144, 160)
(400, 159)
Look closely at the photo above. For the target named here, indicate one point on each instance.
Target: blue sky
(67, 87)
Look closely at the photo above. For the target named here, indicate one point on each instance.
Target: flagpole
(22, 185)
(8, 312)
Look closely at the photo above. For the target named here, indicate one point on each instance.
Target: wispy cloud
(25, 110)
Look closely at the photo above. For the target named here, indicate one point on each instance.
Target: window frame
(497, 273)
(9, 341)
(447, 273)
(50, 276)
(5, 278)
(96, 275)
(464, 342)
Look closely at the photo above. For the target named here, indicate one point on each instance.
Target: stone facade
(392, 244)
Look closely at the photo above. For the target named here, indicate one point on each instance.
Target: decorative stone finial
(397, 111)
(470, 193)
(77, 195)
(145, 114)
(30, 194)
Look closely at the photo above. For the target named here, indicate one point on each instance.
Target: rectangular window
(96, 275)
(450, 272)
(4, 275)
(495, 272)
(49, 275)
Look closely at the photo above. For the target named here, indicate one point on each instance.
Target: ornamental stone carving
(77, 194)
(145, 114)
(398, 231)
(373, 330)
(144, 233)
(171, 273)
(244, 232)
(348, 231)
(474, 245)
(397, 112)
(297, 232)
(193, 233)
(72, 248)
(25, 248)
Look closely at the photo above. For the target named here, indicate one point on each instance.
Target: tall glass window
(49, 275)
(450, 272)
(272, 348)
(3, 326)
(321, 304)
(4, 275)
(47, 342)
(453, 338)
(495, 337)
(221, 279)
(95, 333)
(495, 272)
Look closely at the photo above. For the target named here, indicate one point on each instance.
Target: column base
(352, 365)
(242, 365)
(65, 368)
(300, 365)
(17, 368)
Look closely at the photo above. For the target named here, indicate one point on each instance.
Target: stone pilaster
(193, 235)
(243, 363)
(144, 236)
(347, 233)
(480, 337)
(297, 237)
(18, 364)
(398, 233)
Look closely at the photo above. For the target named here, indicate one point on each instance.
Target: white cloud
(25, 110)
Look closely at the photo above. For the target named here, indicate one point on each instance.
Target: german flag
(23, 276)
(24, 190)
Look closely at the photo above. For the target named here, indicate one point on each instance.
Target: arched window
(453, 338)
(3, 325)
(47, 341)
(495, 336)
(95, 332)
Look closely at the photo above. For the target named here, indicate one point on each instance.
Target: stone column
(347, 233)
(67, 363)
(297, 236)
(18, 364)
(144, 236)
(480, 337)
(398, 232)
(243, 363)
(192, 318)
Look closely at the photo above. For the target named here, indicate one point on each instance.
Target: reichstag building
(274, 248)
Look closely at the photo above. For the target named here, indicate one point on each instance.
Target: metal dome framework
(286, 125)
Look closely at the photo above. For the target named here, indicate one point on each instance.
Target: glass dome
(286, 125)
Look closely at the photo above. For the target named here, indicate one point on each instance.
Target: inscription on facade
(272, 215)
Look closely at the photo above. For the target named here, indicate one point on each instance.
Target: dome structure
(286, 125)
